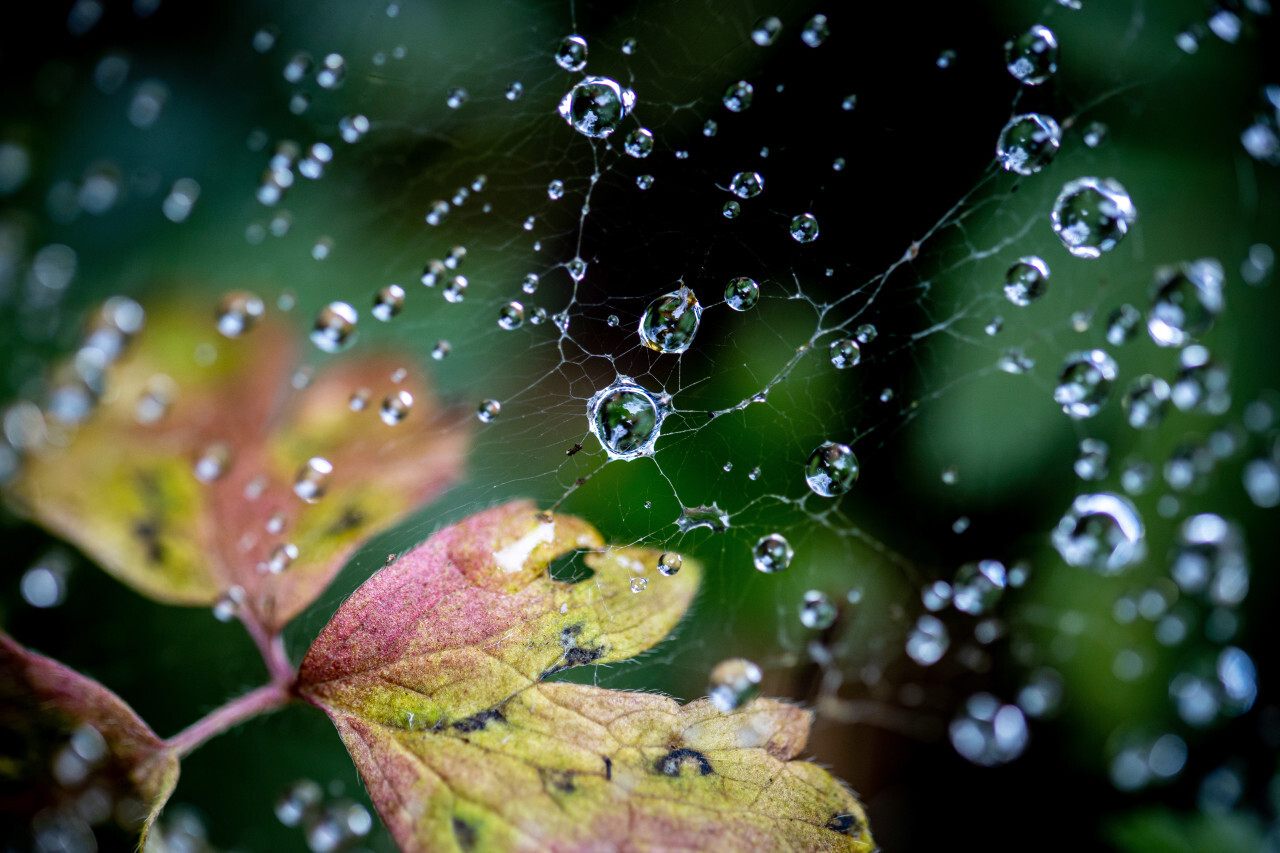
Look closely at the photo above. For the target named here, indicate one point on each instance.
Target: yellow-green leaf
(66, 735)
(432, 674)
(181, 481)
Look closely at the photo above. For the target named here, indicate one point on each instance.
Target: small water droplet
(335, 327)
(436, 212)
(746, 184)
(1092, 215)
(732, 683)
(333, 70)
(488, 411)
(352, 128)
(1146, 401)
(359, 399)
(832, 469)
(709, 127)
(1091, 462)
(945, 59)
(816, 611)
(388, 302)
(1122, 324)
(766, 30)
(238, 312)
(772, 553)
(978, 586)
(804, 228)
(671, 321)
(639, 584)
(511, 316)
(213, 462)
(629, 46)
(1102, 532)
(742, 293)
(441, 350)
(281, 557)
(396, 407)
(530, 284)
(455, 98)
(639, 143)
(928, 640)
(1027, 143)
(644, 182)
(988, 733)
(515, 90)
(669, 563)
(456, 290)
(845, 353)
(1026, 281)
(572, 53)
(738, 96)
(1032, 58)
(229, 604)
(555, 190)
(577, 269)
(596, 106)
(731, 209)
(1085, 383)
(1186, 299)
(312, 479)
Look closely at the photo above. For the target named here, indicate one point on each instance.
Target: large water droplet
(1092, 215)
(596, 106)
(732, 683)
(742, 293)
(1027, 143)
(572, 53)
(335, 327)
(1026, 281)
(626, 419)
(772, 553)
(746, 184)
(832, 469)
(671, 321)
(1186, 299)
(1032, 57)
(1085, 383)
(1102, 532)
(238, 312)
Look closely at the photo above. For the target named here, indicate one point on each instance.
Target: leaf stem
(271, 647)
(269, 697)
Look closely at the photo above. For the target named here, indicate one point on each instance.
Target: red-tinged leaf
(432, 674)
(73, 752)
(125, 488)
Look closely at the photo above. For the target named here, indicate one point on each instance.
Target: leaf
(66, 737)
(432, 672)
(125, 489)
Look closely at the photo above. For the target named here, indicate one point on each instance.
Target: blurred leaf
(1162, 830)
(125, 488)
(70, 744)
(431, 673)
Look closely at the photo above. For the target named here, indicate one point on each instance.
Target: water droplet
(639, 584)
(669, 563)
(865, 334)
(1261, 480)
(709, 127)
(301, 801)
(455, 98)
(555, 190)
(815, 31)
(1202, 385)
(738, 96)
(612, 321)
(746, 184)
(928, 640)
(845, 353)
(572, 53)
(352, 128)
(988, 733)
(488, 411)
(456, 290)
(1032, 58)
(577, 269)
(1146, 401)
(280, 558)
(849, 102)
(1092, 215)
(1091, 463)
(978, 586)
(313, 479)
(1102, 532)
(731, 209)
(1122, 324)
(333, 70)
(335, 327)
(213, 463)
(229, 604)
(511, 316)
(395, 407)
(629, 46)
(816, 611)
(1186, 299)
(388, 302)
(1027, 143)
(772, 553)
(832, 469)
(804, 228)
(596, 106)
(936, 596)
(1026, 281)
(530, 284)
(238, 312)
(1085, 383)
(766, 30)
(626, 419)
(1209, 559)
(671, 321)
(644, 182)
(733, 683)
(639, 143)
(945, 59)
(742, 293)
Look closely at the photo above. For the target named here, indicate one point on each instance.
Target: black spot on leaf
(671, 763)
(845, 824)
(464, 833)
(477, 722)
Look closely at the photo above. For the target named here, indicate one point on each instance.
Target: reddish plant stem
(269, 697)
(271, 647)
